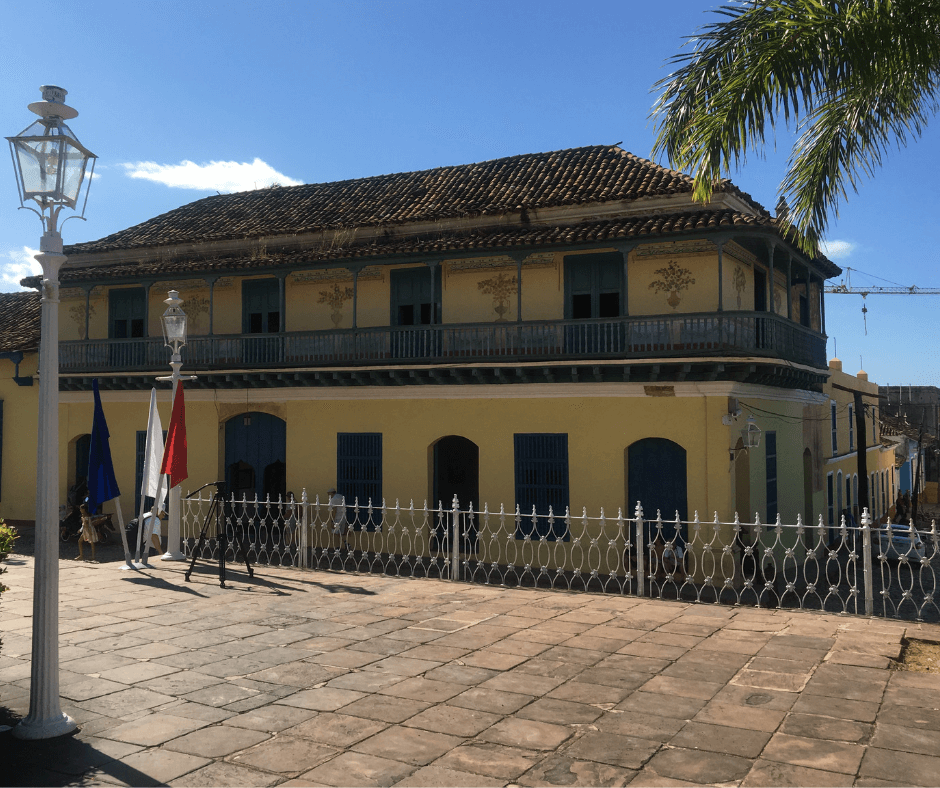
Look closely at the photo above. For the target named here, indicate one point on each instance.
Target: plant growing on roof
(673, 280)
(500, 287)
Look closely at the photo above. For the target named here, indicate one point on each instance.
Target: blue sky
(180, 100)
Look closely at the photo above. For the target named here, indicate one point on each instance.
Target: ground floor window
(541, 470)
(359, 473)
(770, 444)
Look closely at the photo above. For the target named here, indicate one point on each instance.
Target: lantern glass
(51, 164)
(174, 328)
(751, 434)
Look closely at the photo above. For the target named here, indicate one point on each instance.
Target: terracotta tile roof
(449, 242)
(595, 174)
(19, 321)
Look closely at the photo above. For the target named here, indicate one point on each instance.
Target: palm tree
(852, 77)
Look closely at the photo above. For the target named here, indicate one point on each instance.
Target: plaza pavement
(319, 678)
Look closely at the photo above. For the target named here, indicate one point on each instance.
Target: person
(337, 506)
(90, 530)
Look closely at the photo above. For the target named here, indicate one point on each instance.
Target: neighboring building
(917, 411)
(557, 329)
(842, 440)
(19, 416)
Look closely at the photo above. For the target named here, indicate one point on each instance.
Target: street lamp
(174, 322)
(50, 165)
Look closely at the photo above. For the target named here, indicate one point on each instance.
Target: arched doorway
(656, 477)
(255, 456)
(456, 472)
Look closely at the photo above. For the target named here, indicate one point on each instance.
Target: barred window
(359, 473)
(541, 482)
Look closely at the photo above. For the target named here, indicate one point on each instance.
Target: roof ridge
(569, 176)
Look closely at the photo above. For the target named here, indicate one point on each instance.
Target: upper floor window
(416, 296)
(851, 428)
(593, 286)
(127, 312)
(261, 306)
(835, 428)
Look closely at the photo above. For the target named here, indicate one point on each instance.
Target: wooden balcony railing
(709, 334)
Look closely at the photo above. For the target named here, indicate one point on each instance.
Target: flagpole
(152, 481)
(174, 333)
(173, 542)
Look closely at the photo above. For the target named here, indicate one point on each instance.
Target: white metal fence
(867, 569)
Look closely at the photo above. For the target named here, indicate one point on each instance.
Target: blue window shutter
(541, 471)
(770, 443)
(359, 472)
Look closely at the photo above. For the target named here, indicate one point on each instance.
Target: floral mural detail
(739, 282)
(196, 309)
(77, 313)
(501, 287)
(673, 280)
(335, 297)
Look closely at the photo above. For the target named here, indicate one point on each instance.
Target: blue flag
(102, 486)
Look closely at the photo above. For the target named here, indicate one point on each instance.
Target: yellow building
(844, 438)
(559, 330)
(19, 416)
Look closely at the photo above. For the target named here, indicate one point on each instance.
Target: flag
(174, 455)
(153, 483)
(102, 486)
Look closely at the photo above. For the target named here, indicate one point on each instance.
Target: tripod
(214, 515)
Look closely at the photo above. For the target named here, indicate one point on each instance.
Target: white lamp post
(50, 166)
(174, 322)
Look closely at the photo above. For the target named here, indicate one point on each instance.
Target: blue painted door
(656, 477)
(414, 306)
(593, 289)
(255, 455)
(261, 314)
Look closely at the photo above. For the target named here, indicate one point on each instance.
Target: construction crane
(845, 288)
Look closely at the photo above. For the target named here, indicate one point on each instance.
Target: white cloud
(15, 265)
(837, 250)
(221, 176)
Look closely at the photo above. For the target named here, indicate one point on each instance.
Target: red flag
(174, 457)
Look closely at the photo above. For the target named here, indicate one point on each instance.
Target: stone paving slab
(324, 679)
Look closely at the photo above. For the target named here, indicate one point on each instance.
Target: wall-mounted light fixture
(750, 437)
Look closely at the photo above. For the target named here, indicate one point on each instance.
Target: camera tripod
(215, 515)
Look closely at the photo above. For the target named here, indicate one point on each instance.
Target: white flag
(153, 483)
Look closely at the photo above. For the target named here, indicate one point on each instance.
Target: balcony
(706, 335)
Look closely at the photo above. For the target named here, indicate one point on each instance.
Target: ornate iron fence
(868, 569)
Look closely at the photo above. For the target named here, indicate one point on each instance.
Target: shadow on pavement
(61, 761)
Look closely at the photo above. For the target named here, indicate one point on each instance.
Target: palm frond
(851, 76)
